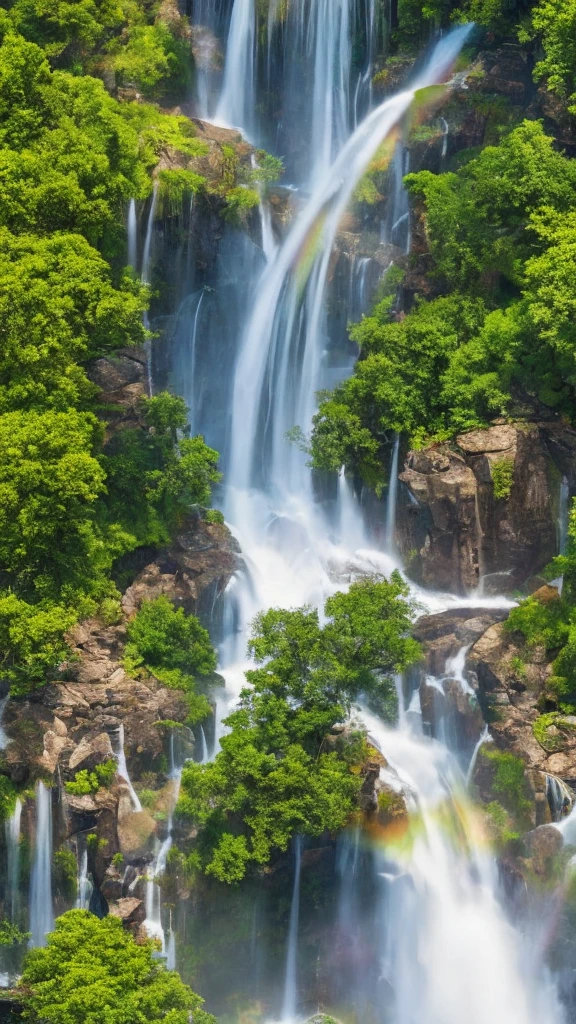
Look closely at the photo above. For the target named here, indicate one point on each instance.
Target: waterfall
(132, 234)
(397, 224)
(153, 922)
(351, 526)
(84, 883)
(12, 832)
(392, 497)
(3, 736)
(289, 1005)
(451, 954)
(147, 251)
(237, 97)
(171, 950)
(269, 374)
(485, 737)
(563, 515)
(445, 134)
(203, 747)
(312, 71)
(41, 910)
(123, 769)
(560, 798)
(447, 952)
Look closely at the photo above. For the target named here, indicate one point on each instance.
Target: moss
(65, 873)
(7, 797)
(147, 798)
(499, 825)
(540, 729)
(509, 782)
(502, 472)
(85, 782)
(213, 515)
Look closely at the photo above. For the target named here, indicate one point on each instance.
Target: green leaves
(174, 647)
(92, 972)
(279, 772)
(58, 307)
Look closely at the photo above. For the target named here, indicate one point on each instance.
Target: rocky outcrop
(511, 682)
(483, 512)
(477, 673)
(192, 572)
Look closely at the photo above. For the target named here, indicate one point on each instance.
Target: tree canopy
(278, 772)
(93, 972)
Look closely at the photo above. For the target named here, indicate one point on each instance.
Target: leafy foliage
(277, 774)
(174, 647)
(71, 156)
(86, 781)
(502, 238)
(92, 970)
(156, 476)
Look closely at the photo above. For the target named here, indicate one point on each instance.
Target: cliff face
(485, 511)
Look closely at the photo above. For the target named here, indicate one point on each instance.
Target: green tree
(58, 308)
(174, 647)
(158, 475)
(277, 773)
(92, 971)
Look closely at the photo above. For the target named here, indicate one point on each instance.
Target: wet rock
(191, 573)
(91, 752)
(444, 634)
(482, 511)
(544, 845)
(130, 911)
(136, 831)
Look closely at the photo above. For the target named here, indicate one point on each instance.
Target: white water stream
(41, 908)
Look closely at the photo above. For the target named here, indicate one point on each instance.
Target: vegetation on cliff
(502, 233)
(71, 157)
(92, 971)
(174, 647)
(278, 772)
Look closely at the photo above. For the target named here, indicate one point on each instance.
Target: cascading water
(123, 769)
(153, 922)
(3, 736)
(392, 496)
(447, 951)
(132, 232)
(12, 831)
(41, 907)
(290, 1004)
(84, 883)
(236, 104)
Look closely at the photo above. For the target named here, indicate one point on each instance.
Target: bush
(91, 970)
(502, 473)
(89, 782)
(174, 647)
(277, 774)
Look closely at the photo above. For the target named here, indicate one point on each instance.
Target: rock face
(484, 511)
(511, 681)
(192, 572)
